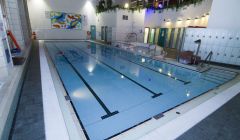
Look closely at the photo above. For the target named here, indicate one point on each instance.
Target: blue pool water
(113, 90)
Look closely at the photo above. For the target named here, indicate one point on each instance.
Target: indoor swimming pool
(112, 90)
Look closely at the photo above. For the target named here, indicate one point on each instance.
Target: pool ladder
(204, 65)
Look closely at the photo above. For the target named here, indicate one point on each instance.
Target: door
(93, 32)
(171, 39)
(109, 34)
(152, 36)
(146, 34)
(175, 37)
(106, 33)
(168, 37)
(162, 37)
(102, 33)
(180, 38)
(156, 36)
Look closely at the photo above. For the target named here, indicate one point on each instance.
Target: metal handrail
(128, 37)
(207, 59)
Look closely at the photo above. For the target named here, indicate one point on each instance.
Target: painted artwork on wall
(61, 20)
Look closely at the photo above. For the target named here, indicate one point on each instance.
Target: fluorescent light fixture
(179, 19)
(126, 5)
(160, 6)
(168, 20)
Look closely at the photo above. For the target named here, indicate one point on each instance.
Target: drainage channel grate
(67, 98)
(158, 116)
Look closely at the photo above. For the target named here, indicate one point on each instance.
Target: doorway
(162, 37)
(146, 34)
(93, 32)
(102, 33)
(152, 36)
(106, 34)
(156, 35)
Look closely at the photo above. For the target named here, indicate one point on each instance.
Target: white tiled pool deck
(181, 124)
(55, 127)
(171, 126)
(60, 119)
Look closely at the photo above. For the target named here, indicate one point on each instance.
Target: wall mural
(61, 20)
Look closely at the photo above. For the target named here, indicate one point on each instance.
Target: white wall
(225, 14)
(106, 19)
(14, 10)
(121, 27)
(5, 59)
(40, 22)
(157, 19)
(225, 44)
(134, 24)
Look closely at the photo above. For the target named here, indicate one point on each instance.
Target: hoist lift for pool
(188, 57)
(15, 50)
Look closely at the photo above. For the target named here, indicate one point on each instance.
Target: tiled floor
(224, 124)
(29, 122)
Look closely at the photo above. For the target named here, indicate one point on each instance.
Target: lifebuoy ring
(34, 36)
(88, 34)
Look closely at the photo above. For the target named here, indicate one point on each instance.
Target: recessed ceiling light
(126, 5)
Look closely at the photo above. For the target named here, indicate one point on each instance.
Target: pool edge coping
(55, 128)
(175, 128)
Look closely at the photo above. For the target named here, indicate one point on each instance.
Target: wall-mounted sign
(61, 20)
(47, 14)
(125, 17)
(84, 20)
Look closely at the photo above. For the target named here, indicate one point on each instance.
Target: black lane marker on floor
(184, 82)
(149, 90)
(109, 113)
(128, 129)
(78, 117)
